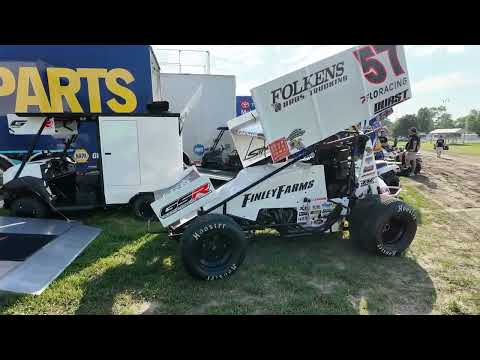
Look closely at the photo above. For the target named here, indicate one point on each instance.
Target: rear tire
(29, 206)
(213, 247)
(142, 209)
(385, 226)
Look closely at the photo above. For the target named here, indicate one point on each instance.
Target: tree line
(431, 118)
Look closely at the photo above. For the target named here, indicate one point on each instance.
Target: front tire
(213, 247)
(385, 226)
(29, 206)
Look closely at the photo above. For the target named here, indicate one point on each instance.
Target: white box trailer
(213, 108)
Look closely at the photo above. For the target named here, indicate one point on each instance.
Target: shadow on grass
(280, 276)
(425, 180)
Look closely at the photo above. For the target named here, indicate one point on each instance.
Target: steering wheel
(69, 159)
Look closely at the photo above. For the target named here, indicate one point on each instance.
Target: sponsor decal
(277, 192)
(390, 101)
(199, 149)
(81, 156)
(382, 116)
(309, 85)
(295, 139)
(63, 85)
(15, 124)
(367, 182)
(244, 107)
(383, 90)
(368, 168)
(261, 151)
(279, 149)
(185, 200)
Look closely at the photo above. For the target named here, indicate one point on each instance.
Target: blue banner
(244, 104)
(71, 78)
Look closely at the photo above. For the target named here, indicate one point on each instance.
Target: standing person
(439, 145)
(412, 147)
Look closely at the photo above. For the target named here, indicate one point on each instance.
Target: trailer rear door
(119, 142)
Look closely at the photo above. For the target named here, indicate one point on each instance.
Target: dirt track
(453, 180)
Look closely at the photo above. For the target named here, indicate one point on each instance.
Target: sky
(439, 74)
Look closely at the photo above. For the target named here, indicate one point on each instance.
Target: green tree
(388, 125)
(445, 121)
(475, 127)
(401, 126)
(425, 118)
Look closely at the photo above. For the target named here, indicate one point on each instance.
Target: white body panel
(146, 155)
(28, 125)
(214, 108)
(247, 134)
(183, 199)
(286, 189)
(318, 101)
(31, 169)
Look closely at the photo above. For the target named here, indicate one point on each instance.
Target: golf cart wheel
(141, 207)
(29, 206)
(213, 247)
(385, 226)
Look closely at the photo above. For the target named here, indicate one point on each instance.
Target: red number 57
(373, 70)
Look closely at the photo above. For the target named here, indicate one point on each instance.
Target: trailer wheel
(385, 226)
(4, 164)
(141, 207)
(29, 206)
(213, 247)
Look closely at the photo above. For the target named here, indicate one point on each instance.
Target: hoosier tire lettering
(197, 235)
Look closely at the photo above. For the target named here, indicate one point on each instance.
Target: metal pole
(208, 62)
(32, 147)
(179, 61)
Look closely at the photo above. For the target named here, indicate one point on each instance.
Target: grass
(128, 271)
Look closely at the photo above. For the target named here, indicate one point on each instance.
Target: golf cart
(322, 178)
(221, 158)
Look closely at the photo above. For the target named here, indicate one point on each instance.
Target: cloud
(426, 50)
(444, 82)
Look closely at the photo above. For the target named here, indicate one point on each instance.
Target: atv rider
(412, 147)
(439, 145)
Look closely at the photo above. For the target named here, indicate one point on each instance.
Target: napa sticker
(81, 156)
(54, 89)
